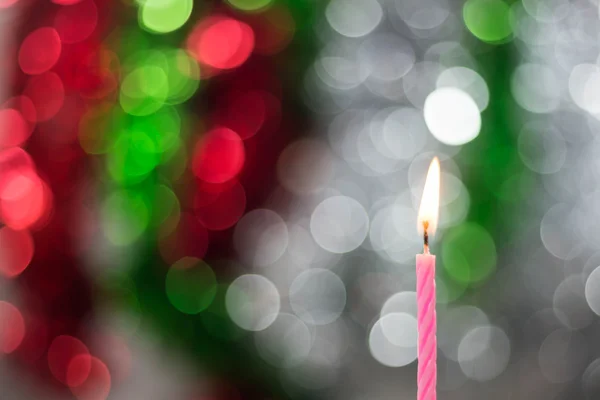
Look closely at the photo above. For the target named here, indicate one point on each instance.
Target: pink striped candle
(427, 345)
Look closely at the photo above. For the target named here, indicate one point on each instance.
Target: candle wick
(425, 237)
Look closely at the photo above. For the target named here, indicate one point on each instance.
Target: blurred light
(386, 352)
(183, 76)
(570, 303)
(62, 351)
(305, 166)
(558, 236)
(535, 87)
(542, 148)
(387, 57)
(488, 20)
(260, 237)
(318, 296)
(13, 127)
(76, 23)
(468, 81)
(12, 327)
(144, 90)
(285, 343)
(562, 356)
(191, 285)
(339, 224)
(274, 29)
(591, 380)
(584, 83)
(547, 10)
(454, 324)
(592, 290)
(165, 16)
(401, 302)
(250, 5)
(469, 253)
(252, 302)
(7, 3)
(452, 116)
(220, 207)
(125, 217)
(97, 383)
(39, 51)
(47, 93)
(221, 42)
(354, 18)
(484, 353)
(16, 251)
(423, 14)
(245, 112)
(219, 156)
(420, 82)
(403, 134)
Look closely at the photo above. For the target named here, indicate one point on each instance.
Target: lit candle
(427, 346)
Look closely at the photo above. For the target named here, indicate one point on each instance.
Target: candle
(427, 345)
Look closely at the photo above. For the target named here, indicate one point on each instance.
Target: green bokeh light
(125, 217)
(133, 157)
(162, 128)
(144, 90)
(167, 209)
(250, 5)
(165, 16)
(191, 285)
(488, 20)
(469, 253)
(183, 75)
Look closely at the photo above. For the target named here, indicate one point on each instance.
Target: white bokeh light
(252, 302)
(354, 18)
(483, 353)
(401, 352)
(285, 343)
(339, 224)
(260, 237)
(467, 80)
(317, 296)
(452, 116)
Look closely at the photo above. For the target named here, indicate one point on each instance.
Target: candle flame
(430, 202)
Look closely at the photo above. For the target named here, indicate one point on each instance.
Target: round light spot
(404, 133)
(221, 43)
(12, 328)
(423, 14)
(16, 251)
(14, 128)
(558, 236)
(402, 302)
(191, 285)
(144, 90)
(488, 20)
(252, 302)
(165, 15)
(535, 88)
(592, 290)
(453, 325)
(354, 18)
(400, 329)
(542, 148)
(468, 81)
(318, 296)
(339, 224)
(387, 57)
(77, 22)
(40, 51)
(584, 84)
(61, 352)
(125, 217)
(384, 350)
(97, 383)
(570, 303)
(47, 93)
(219, 156)
(286, 343)
(547, 10)
(260, 237)
(591, 380)
(220, 207)
(469, 253)
(483, 353)
(452, 116)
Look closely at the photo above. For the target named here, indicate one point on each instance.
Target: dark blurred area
(218, 199)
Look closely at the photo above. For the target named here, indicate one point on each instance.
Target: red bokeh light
(77, 22)
(78, 370)
(221, 42)
(96, 385)
(12, 328)
(7, 3)
(47, 94)
(63, 350)
(16, 251)
(40, 51)
(66, 2)
(219, 156)
(24, 198)
(220, 210)
(14, 129)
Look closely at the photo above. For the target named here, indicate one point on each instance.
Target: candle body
(427, 345)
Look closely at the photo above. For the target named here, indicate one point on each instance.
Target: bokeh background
(218, 199)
